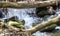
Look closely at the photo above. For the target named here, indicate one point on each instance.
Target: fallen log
(26, 4)
(44, 24)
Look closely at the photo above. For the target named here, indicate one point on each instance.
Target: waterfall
(28, 14)
(24, 14)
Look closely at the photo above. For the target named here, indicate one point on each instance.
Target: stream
(28, 14)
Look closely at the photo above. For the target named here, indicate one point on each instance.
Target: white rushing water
(28, 14)
(24, 14)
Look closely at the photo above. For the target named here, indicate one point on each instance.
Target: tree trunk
(26, 4)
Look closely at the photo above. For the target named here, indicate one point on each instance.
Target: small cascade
(24, 14)
(28, 14)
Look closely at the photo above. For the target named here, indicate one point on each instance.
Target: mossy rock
(42, 13)
(22, 22)
(49, 28)
(17, 24)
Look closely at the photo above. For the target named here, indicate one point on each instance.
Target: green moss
(49, 28)
(18, 24)
(43, 13)
(21, 22)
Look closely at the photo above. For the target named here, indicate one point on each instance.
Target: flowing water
(28, 14)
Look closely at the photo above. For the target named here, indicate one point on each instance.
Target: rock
(17, 24)
(41, 12)
(14, 18)
(1, 14)
(22, 22)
